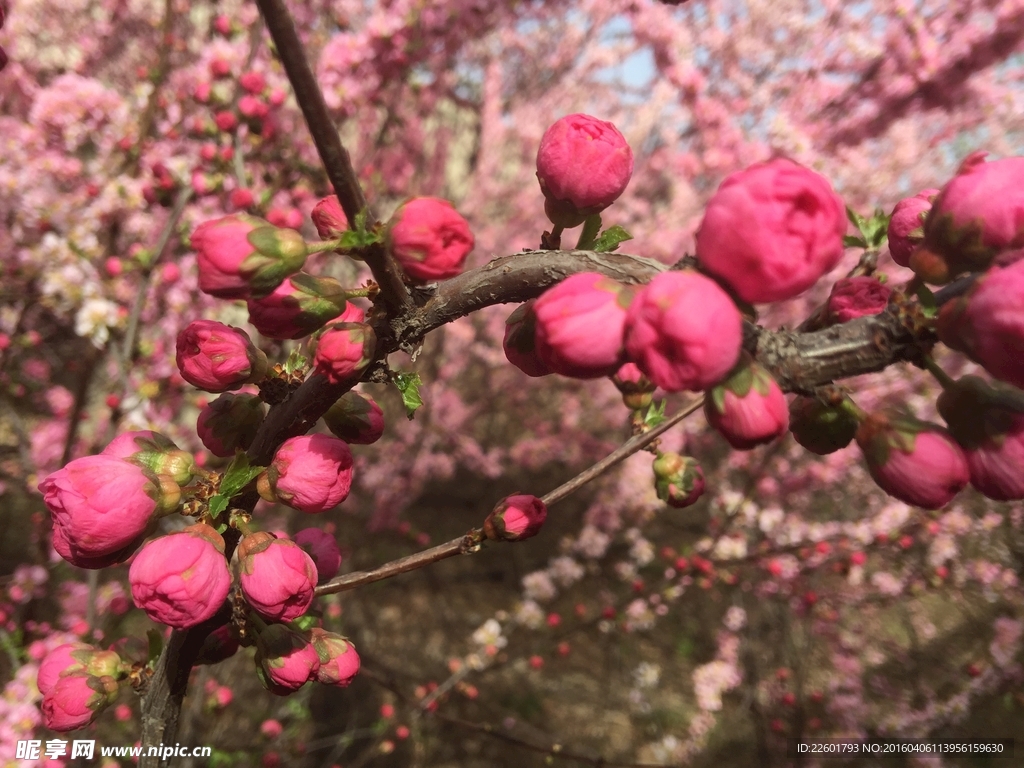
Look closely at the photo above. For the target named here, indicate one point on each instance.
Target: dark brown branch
(333, 155)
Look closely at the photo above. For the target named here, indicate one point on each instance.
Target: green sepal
(156, 645)
(238, 475)
(304, 623)
(409, 385)
(609, 240)
(926, 300)
(588, 235)
(655, 414)
(718, 398)
(296, 361)
(852, 241)
(874, 230)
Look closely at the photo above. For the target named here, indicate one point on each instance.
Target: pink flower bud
(978, 214)
(253, 82)
(155, 452)
(219, 68)
(339, 661)
(241, 199)
(181, 579)
(230, 423)
(515, 518)
(821, 428)
(679, 480)
(913, 460)
(329, 219)
(637, 390)
(299, 306)
(67, 659)
(429, 239)
(771, 231)
(580, 324)
(356, 419)
(344, 351)
(748, 408)
(323, 550)
(583, 166)
(76, 700)
(223, 25)
(226, 121)
(253, 107)
(242, 256)
(215, 357)
(101, 504)
(285, 659)
(906, 226)
(988, 423)
(311, 473)
(683, 331)
(277, 577)
(987, 324)
(113, 266)
(854, 297)
(520, 341)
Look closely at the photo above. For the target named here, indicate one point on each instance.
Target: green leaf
(855, 218)
(156, 645)
(609, 239)
(409, 385)
(296, 361)
(304, 622)
(238, 475)
(359, 236)
(655, 414)
(852, 241)
(927, 301)
(588, 235)
(874, 230)
(216, 505)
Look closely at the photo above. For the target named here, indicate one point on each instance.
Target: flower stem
(326, 245)
(933, 368)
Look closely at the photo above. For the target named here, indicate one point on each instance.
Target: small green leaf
(238, 475)
(609, 239)
(927, 301)
(216, 505)
(588, 235)
(359, 236)
(296, 361)
(409, 385)
(156, 645)
(655, 414)
(855, 218)
(852, 241)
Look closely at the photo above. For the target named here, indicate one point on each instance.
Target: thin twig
(335, 158)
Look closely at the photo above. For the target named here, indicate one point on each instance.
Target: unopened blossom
(230, 423)
(906, 226)
(181, 579)
(912, 460)
(215, 357)
(772, 231)
(978, 214)
(579, 325)
(311, 473)
(583, 165)
(75, 701)
(519, 342)
(355, 418)
(101, 505)
(344, 350)
(339, 661)
(821, 428)
(328, 218)
(683, 331)
(322, 549)
(277, 577)
(987, 323)
(299, 306)
(748, 408)
(854, 297)
(429, 238)
(285, 659)
(154, 452)
(515, 518)
(679, 480)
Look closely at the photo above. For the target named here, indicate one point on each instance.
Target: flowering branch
(333, 155)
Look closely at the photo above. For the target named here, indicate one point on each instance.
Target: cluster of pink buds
(77, 682)
(287, 659)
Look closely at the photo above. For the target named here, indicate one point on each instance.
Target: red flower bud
(854, 297)
(311, 473)
(515, 518)
(772, 230)
(76, 700)
(580, 326)
(344, 350)
(913, 460)
(181, 579)
(520, 341)
(429, 239)
(683, 331)
(215, 357)
(322, 549)
(285, 659)
(356, 419)
(821, 428)
(906, 226)
(583, 166)
(230, 423)
(299, 306)
(748, 408)
(277, 577)
(679, 481)
(339, 661)
(329, 219)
